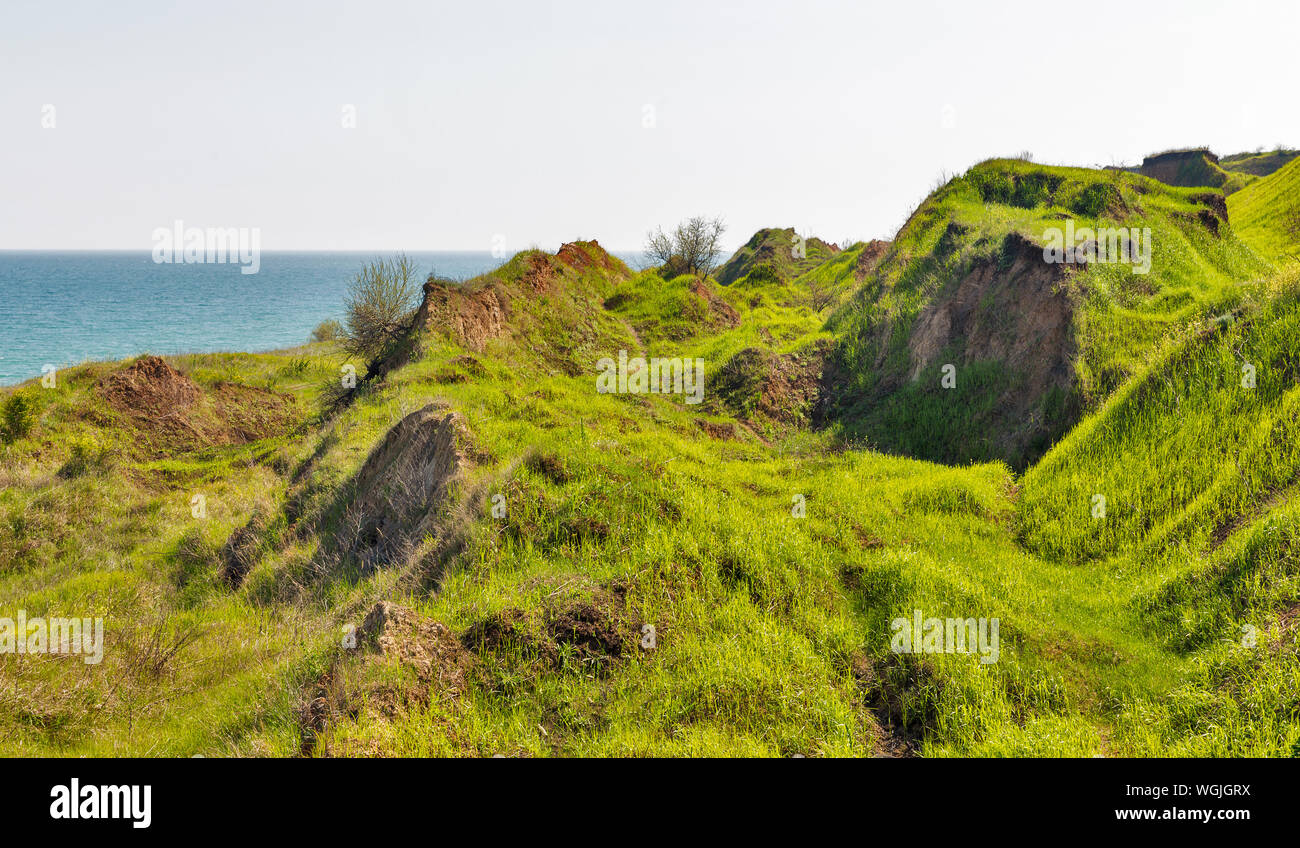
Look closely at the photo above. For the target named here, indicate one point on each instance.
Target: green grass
(769, 562)
(1267, 214)
(1225, 447)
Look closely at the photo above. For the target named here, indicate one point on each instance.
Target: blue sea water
(67, 307)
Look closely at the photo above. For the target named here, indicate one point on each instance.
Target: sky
(489, 125)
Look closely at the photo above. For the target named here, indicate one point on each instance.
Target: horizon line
(298, 250)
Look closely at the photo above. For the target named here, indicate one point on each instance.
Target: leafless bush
(693, 248)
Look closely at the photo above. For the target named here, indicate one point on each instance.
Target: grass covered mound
(477, 552)
(775, 255)
(1026, 346)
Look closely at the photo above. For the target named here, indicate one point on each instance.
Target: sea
(63, 308)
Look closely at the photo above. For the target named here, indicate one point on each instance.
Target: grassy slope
(1267, 214)
(1200, 473)
(119, 540)
(772, 630)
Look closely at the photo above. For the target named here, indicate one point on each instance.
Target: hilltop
(475, 550)
(1199, 166)
(775, 255)
(1259, 163)
(1190, 169)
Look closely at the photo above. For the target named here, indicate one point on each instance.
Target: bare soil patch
(172, 414)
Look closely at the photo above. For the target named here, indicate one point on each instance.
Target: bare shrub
(693, 248)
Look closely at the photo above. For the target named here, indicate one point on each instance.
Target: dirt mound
(721, 314)
(428, 647)
(471, 318)
(407, 480)
(870, 257)
(725, 430)
(590, 627)
(172, 414)
(785, 388)
(150, 388)
(500, 630)
(251, 413)
(433, 666)
(593, 630)
(582, 255)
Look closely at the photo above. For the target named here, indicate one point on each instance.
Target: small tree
(693, 248)
(820, 294)
(379, 305)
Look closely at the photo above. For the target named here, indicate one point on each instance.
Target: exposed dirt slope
(408, 478)
(1014, 311)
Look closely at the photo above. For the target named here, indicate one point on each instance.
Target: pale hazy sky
(527, 119)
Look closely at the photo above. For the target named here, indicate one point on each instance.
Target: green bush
(763, 272)
(17, 417)
(380, 303)
(1094, 200)
(328, 331)
(1026, 191)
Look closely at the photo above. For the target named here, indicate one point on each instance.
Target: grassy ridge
(773, 255)
(1259, 164)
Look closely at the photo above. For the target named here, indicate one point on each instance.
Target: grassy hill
(1033, 344)
(1200, 167)
(478, 552)
(775, 255)
(1267, 213)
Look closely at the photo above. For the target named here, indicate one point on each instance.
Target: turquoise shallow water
(63, 308)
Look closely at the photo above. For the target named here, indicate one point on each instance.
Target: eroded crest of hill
(967, 343)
